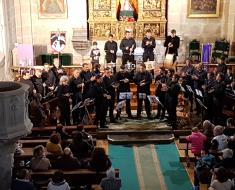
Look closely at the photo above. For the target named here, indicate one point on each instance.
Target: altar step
(140, 136)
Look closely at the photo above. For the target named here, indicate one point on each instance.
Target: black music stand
(87, 119)
(203, 108)
(142, 96)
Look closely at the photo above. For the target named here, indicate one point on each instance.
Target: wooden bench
(73, 177)
(48, 130)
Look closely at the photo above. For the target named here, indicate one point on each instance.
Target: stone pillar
(14, 125)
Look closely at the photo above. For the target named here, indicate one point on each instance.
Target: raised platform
(141, 136)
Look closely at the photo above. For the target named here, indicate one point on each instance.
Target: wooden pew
(73, 177)
(48, 130)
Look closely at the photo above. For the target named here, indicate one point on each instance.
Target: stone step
(158, 137)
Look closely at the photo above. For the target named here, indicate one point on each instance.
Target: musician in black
(100, 98)
(218, 98)
(148, 44)
(39, 86)
(143, 80)
(186, 72)
(88, 79)
(123, 79)
(110, 48)
(199, 78)
(58, 71)
(76, 85)
(48, 78)
(109, 88)
(172, 100)
(208, 95)
(63, 94)
(161, 88)
(26, 79)
(172, 44)
(128, 46)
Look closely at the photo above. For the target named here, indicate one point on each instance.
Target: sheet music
(125, 95)
(189, 88)
(142, 96)
(199, 93)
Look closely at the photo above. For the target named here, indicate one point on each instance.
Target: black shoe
(130, 117)
(150, 117)
(138, 117)
(157, 117)
(104, 127)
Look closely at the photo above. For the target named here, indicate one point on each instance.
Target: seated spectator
(220, 180)
(99, 160)
(220, 137)
(110, 182)
(231, 143)
(197, 140)
(86, 137)
(22, 182)
(67, 161)
(58, 182)
(39, 162)
(53, 145)
(208, 128)
(226, 160)
(230, 127)
(61, 131)
(202, 169)
(79, 147)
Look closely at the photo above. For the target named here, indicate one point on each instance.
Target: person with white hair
(110, 182)
(220, 137)
(63, 94)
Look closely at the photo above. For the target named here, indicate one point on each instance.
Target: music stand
(199, 93)
(78, 105)
(190, 89)
(87, 119)
(125, 95)
(203, 107)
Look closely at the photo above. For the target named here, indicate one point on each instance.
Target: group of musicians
(104, 89)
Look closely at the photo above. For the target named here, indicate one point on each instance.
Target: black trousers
(148, 55)
(126, 58)
(171, 109)
(65, 112)
(146, 104)
(110, 107)
(128, 107)
(161, 109)
(100, 113)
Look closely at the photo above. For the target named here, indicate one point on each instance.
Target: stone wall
(31, 29)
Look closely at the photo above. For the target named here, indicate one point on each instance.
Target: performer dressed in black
(161, 88)
(76, 85)
(110, 48)
(109, 87)
(49, 78)
(148, 44)
(26, 80)
(143, 80)
(58, 71)
(172, 44)
(87, 78)
(123, 78)
(63, 93)
(100, 98)
(128, 46)
(218, 99)
(172, 100)
(39, 86)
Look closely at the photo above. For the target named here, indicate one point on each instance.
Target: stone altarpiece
(103, 19)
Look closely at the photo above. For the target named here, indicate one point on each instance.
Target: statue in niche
(127, 10)
(152, 4)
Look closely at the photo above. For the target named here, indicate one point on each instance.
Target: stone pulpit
(14, 125)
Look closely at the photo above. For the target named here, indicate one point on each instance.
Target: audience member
(197, 140)
(110, 182)
(39, 162)
(230, 127)
(220, 137)
(99, 160)
(22, 182)
(53, 145)
(220, 180)
(67, 161)
(58, 182)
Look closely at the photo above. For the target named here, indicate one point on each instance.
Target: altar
(111, 16)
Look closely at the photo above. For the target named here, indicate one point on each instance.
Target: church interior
(117, 94)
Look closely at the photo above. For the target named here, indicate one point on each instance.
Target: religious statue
(127, 11)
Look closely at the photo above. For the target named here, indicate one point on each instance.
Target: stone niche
(14, 110)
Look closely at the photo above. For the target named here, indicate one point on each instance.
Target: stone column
(14, 125)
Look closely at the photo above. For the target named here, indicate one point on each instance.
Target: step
(141, 137)
(183, 157)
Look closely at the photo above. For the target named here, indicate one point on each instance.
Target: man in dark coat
(172, 44)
